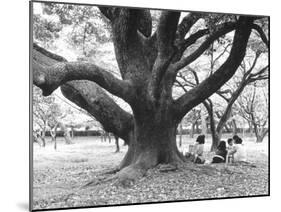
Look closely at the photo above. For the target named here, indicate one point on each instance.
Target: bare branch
(261, 33)
(223, 29)
(210, 85)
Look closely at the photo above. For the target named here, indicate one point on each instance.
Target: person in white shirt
(199, 149)
(239, 150)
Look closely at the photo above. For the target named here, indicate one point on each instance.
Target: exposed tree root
(98, 181)
(167, 167)
(128, 175)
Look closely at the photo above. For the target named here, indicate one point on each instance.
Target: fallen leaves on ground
(61, 185)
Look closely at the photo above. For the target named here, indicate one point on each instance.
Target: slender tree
(253, 107)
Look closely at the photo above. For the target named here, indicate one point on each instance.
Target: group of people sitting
(234, 150)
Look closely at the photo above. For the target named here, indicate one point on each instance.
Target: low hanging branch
(49, 78)
(90, 97)
(93, 99)
(261, 33)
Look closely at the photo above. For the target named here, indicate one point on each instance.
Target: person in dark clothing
(221, 153)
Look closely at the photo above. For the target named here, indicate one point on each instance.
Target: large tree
(148, 63)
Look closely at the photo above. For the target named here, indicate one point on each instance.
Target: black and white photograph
(135, 105)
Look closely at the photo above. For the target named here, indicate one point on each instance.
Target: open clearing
(59, 175)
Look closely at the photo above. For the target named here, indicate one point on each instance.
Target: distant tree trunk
(66, 133)
(109, 137)
(117, 143)
(260, 133)
(43, 136)
(216, 137)
(192, 130)
(72, 133)
(251, 130)
(180, 134)
(234, 127)
(37, 139)
(227, 128)
(53, 133)
(197, 127)
(67, 137)
(103, 136)
(203, 124)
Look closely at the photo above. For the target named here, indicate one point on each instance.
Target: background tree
(249, 72)
(253, 107)
(45, 112)
(148, 64)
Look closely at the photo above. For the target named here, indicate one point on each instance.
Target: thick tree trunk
(216, 137)
(154, 143)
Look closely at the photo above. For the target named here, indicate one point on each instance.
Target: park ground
(60, 176)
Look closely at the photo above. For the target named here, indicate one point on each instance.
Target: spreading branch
(210, 85)
(94, 100)
(50, 77)
(261, 33)
(222, 30)
(90, 97)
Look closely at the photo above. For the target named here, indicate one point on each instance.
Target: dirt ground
(59, 176)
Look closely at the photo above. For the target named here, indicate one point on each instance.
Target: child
(199, 149)
(221, 153)
(230, 151)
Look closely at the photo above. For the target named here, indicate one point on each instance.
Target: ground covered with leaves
(61, 176)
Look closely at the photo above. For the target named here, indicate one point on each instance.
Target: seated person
(230, 151)
(240, 151)
(221, 152)
(199, 149)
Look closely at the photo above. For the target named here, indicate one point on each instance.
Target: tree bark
(155, 142)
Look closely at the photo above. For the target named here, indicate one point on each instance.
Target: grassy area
(59, 175)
